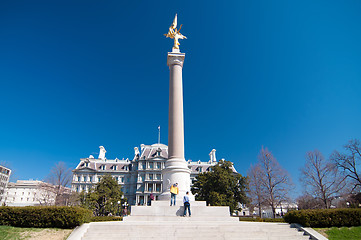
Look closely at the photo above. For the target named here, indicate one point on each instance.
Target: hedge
(44, 217)
(251, 219)
(105, 218)
(325, 217)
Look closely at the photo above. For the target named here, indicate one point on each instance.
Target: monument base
(161, 211)
(176, 171)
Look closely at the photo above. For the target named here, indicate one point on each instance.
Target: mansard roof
(92, 164)
(154, 151)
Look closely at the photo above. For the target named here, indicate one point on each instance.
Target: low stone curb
(314, 235)
(79, 232)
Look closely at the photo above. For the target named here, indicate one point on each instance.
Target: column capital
(175, 59)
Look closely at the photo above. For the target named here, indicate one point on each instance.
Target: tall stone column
(176, 169)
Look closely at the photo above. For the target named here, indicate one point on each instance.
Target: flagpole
(159, 134)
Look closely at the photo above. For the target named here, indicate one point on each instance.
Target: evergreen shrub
(105, 218)
(44, 217)
(325, 217)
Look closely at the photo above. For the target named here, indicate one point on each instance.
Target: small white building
(28, 193)
(280, 210)
(4, 180)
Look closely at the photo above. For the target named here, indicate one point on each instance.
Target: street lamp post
(118, 208)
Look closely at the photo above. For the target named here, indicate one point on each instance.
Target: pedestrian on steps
(187, 205)
(173, 193)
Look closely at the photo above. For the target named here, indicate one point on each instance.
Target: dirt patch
(322, 231)
(46, 234)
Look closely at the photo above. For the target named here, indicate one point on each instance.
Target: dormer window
(102, 167)
(86, 164)
(199, 169)
(114, 167)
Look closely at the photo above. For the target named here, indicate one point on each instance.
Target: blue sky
(79, 74)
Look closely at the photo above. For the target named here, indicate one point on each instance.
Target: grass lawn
(17, 233)
(344, 233)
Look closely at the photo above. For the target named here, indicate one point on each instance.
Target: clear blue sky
(78, 74)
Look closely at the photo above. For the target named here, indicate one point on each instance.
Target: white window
(84, 178)
(90, 178)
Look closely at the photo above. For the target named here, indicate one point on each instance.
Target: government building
(138, 177)
(4, 180)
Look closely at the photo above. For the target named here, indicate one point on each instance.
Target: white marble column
(176, 168)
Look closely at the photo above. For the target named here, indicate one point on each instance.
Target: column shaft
(176, 128)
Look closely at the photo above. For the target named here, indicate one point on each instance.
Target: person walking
(187, 205)
(173, 193)
(150, 199)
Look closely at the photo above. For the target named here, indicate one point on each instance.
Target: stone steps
(161, 221)
(162, 208)
(191, 230)
(181, 219)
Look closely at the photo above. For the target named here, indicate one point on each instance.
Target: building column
(176, 168)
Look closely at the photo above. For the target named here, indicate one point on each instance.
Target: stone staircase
(187, 230)
(161, 221)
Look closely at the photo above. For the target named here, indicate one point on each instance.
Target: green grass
(15, 233)
(344, 233)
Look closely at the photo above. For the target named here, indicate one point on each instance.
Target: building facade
(4, 180)
(138, 177)
(28, 193)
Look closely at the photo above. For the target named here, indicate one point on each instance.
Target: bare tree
(275, 180)
(256, 190)
(60, 176)
(349, 162)
(307, 201)
(46, 194)
(321, 178)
